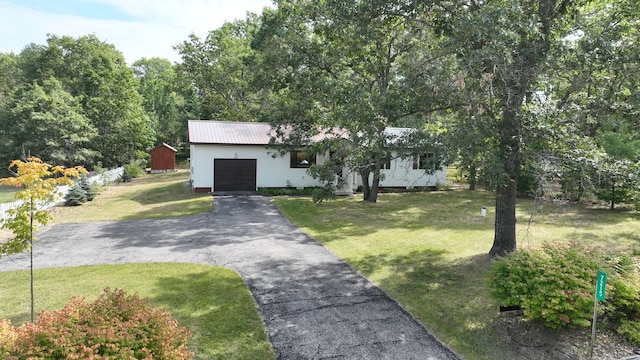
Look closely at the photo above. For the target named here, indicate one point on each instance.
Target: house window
(387, 165)
(422, 161)
(301, 159)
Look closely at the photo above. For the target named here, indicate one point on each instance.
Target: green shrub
(555, 283)
(75, 196)
(132, 170)
(90, 189)
(115, 326)
(623, 305)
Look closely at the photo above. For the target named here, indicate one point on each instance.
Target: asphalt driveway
(314, 305)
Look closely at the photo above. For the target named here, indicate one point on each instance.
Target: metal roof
(250, 133)
(228, 132)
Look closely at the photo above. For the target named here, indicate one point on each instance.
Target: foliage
(556, 283)
(132, 170)
(168, 101)
(623, 307)
(115, 325)
(90, 188)
(218, 67)
(212, 302)
(38, 181)
(76, 195)
(333, 71)
(96, 75)
(48, 122)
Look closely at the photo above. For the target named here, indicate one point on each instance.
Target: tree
(167, 101)
(337, 69)
(95, 73)
(48, 122)
(217, 67)
(502, 48)
(38, 181)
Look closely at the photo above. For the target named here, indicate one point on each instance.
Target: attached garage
(236, 157)
(234, 175)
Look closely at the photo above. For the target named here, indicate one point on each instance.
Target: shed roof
(165, 145)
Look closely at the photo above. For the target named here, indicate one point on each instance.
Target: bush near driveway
(556, 284)
(116, 325)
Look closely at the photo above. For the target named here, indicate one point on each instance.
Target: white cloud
(159, 24)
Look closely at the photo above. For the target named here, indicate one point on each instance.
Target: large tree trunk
(370, 190)
(472, 177)
(504, 241)
(366, 190)
(510, 128)
(375, 185)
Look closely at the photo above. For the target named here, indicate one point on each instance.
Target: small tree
(38, 181)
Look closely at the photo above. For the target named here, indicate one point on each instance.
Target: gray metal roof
(228, 132)
(248, 133)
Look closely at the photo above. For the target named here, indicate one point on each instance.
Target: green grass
(147, 197)
(6, 193)
(428, 251)
(212, 302)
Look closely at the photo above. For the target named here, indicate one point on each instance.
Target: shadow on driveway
(314, 305)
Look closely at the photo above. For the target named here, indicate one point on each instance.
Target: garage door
(234, 175)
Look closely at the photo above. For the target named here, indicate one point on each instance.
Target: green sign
(601, 285)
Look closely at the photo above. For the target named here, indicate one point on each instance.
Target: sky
(137, 28)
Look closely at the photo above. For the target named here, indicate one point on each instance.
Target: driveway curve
(314, 305)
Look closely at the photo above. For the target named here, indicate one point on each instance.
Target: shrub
(623, 305)
(90, 189)
(555, 283)
(75, 196)
(132, 170)
(116, 325)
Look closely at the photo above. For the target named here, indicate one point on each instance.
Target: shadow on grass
(451, 298)
(450, 210)
(221, 309)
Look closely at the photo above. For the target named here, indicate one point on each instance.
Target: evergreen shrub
(75, 196)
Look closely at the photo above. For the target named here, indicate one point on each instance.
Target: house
(163, 159)
(234, 157)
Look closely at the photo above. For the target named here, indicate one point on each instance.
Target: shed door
(234, 175)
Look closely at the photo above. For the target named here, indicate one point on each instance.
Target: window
(422, 161)
(300, 159)
(387, 165)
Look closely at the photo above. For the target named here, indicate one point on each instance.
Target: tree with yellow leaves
(39, 182)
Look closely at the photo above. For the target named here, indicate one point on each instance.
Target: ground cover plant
(429, 252)
(213, 303)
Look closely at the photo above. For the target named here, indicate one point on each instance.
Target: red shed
(163, 159)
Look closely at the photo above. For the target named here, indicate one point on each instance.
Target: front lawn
(147, 197)
(428, 251)
(212, 302)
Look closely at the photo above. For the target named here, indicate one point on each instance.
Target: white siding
(276, 171)
(271, 171)
(402, 174)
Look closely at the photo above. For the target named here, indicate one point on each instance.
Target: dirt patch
(533, 340)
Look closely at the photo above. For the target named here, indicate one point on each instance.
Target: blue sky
(138, 28)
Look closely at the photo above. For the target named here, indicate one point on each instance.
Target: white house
(233, 157)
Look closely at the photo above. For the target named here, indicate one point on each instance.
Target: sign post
(601, 286)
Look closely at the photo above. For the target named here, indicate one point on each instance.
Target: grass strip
(212, 302)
